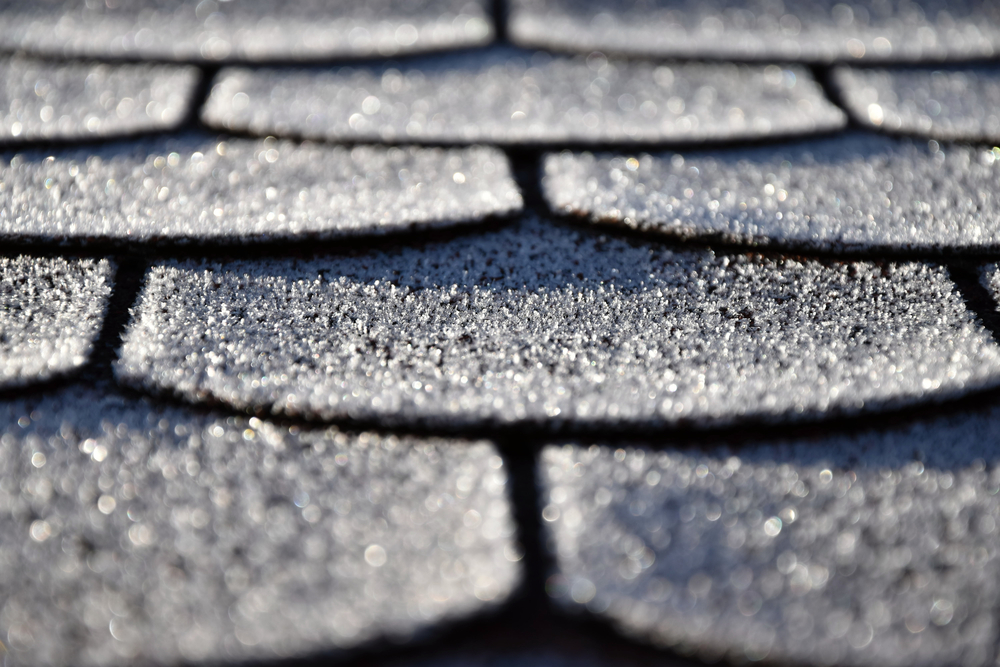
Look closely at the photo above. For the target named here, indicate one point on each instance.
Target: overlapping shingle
(42, 99)
(140, 535)
(246, 30)
(948, 103)
(815, 30)
(853, 191)
(195, 187)
(51, 311)
(508, 96)
(877, 548)
(540, 323)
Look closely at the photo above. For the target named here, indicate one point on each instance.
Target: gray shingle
(542, 323)
(845, 549)
(238, 190)
(51, 100)
(51, 311)
(245, 30)
(810, 30)
(852, 191)
(142, 535)
(943, 103)
(508, 96)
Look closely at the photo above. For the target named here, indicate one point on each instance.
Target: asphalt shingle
(51, 311)
(853, 191)
(538, 323)
(813, 30)
(45, 100)
(508, 96)
(943, 103)
(877, 548)
(141, 535)
(196, 187)
(246, 30)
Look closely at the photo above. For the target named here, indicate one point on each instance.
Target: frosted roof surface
(510, 96)
(135, 534)
(837, 550)
(51, 311)
(947, 103)
(196, 187)
(854, 191)
(51, 100)
(539, 322)
(813, 30)
(215, 30)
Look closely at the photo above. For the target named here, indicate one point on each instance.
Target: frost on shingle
(237, 190)
(509, 96)
(138, 535)
(875, 548)
(51, 311)
(849, 192)
(811, 30)
(53, 100)
(245, 30)
(538, 323)
(949, 104)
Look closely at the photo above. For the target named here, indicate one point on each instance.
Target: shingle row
(212, 30)
(538, 323)
(230, 189)
(135, 534)
(872, 548)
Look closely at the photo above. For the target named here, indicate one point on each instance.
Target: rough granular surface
(51, 311)
(142, 535)
(944, 103)
(814, 30)
(537, 323)
(855, 191)
(845, 549)
(506, 96)
(49, 100)
(216, 30)
(194, 187)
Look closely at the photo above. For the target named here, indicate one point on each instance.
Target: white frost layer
(141, 535)
(199, 188)
(51, 311)
(545, 323)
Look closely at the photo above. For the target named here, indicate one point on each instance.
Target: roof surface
(544, 333)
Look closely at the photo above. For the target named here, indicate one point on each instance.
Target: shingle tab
(51, 311)
(251, 30)
(874, 548)
(51, 100)
(944, 103)
(507, 96)
(141, 535)
(854, 191)
(229, 189)
(813, 30)
(538, 323)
